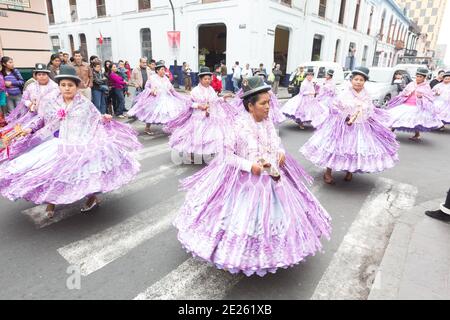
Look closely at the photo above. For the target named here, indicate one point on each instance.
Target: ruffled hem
(199, 136)
(362, 148)
(65, 174)
(157, 110)
(224, 204)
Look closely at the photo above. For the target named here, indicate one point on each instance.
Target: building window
(317, 48)
(364, 58)
(73, 10)
(50, 12)
(287, 2)
(144, 5)
(56, 45)
(342, 12)
(72, 44)
(351, 60)
(322, 8)
(383, 17)
(370, 20)
(337, 50)
(389, 32)
(146, 43)
(355, 22)
(101, 8)
(83, 46)
(104, 50)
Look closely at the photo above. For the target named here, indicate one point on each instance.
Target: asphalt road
(128, 247)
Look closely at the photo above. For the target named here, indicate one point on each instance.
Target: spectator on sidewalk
(216, 82)
(100, 88)
(237, 74)
(14, 83)
(224, 74)
(2, 99)
(439, 78)
(122, 71)
(443, 213)
(65, 59)
(128, 68)
(54, 65)
(278, 74)
(187, 77)
(84, 72)
(152, 66)
(140, 76)
(247, 72)
(261, 70)
(117, 85)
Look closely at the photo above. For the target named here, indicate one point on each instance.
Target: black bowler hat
(254, 85)
(261, 74)
(446, 74)
(363, 71)
(310, 71)
(330, 72)
(422, 72)
(67, 72)
(41, 67)
(160, 64)
(204, 71)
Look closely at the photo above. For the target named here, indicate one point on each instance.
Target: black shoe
(439, 215)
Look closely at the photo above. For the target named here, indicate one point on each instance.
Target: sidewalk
(416, 263)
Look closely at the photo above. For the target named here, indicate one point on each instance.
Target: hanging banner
(174, 39)
(17, 3)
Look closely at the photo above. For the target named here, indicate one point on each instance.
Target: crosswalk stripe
(144, 180)
(192, 280)
(353, 266)
(98, 250)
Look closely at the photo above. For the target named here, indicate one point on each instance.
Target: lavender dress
(305, 107)
(75, 154)
(409, 113)
(275, 114)
(366, 146)
(159, 109)
(27, 118)
(246, 223)
(196, 132)
(442, 102)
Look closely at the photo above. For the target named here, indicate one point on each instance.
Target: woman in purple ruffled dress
(76, 153)
(353, 137)
(412, 110)
(249, 210)
(275, 114)
(442, 100)
(305, 107)
(159, 103)
(26, 112)
(202, 129)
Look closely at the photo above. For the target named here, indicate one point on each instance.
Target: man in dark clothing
(438, 79)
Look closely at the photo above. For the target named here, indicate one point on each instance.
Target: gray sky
(444, 38)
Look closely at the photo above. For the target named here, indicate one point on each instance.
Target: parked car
(412, 69)
(320, 71)
(382, 86)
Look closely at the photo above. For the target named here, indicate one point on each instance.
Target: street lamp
(175, 74)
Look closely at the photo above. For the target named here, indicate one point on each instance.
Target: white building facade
(249, 31)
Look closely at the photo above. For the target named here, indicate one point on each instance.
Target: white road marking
(192, 280)
(353, 266)
(143, 181)
(98, 250)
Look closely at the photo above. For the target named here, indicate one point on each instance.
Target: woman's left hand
(107, 117)
(281, 159)
(8, 84)
(227, 96)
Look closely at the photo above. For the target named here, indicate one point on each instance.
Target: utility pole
(175, 66)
